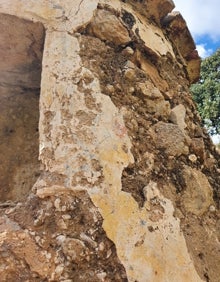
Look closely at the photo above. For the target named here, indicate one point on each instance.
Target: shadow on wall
(21, 48)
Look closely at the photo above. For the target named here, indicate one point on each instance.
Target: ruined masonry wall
(129, 181)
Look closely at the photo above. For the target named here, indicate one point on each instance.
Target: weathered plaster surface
(148, 241)
(58, 15)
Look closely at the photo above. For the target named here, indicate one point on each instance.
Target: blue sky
(203, 20)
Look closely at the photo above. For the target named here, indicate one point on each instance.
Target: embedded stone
(170, 138)
(197, 196)
(74, 248)
(108, 27)
(192, 158)
(177, 116)
(198, 147)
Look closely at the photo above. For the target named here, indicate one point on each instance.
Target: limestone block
(193, 68)
(170, 138)
(182, 39)
(158, 107)
(177, 116)
(197, 197)
(153, 9)
(108, 27)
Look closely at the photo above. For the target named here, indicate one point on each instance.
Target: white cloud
(216, 139)
(202, 16)
(203, 52)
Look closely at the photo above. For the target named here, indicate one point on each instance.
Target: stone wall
(129, 182)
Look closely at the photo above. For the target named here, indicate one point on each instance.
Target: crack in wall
(79, 7)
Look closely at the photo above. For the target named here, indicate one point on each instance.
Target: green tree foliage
(206, 93)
